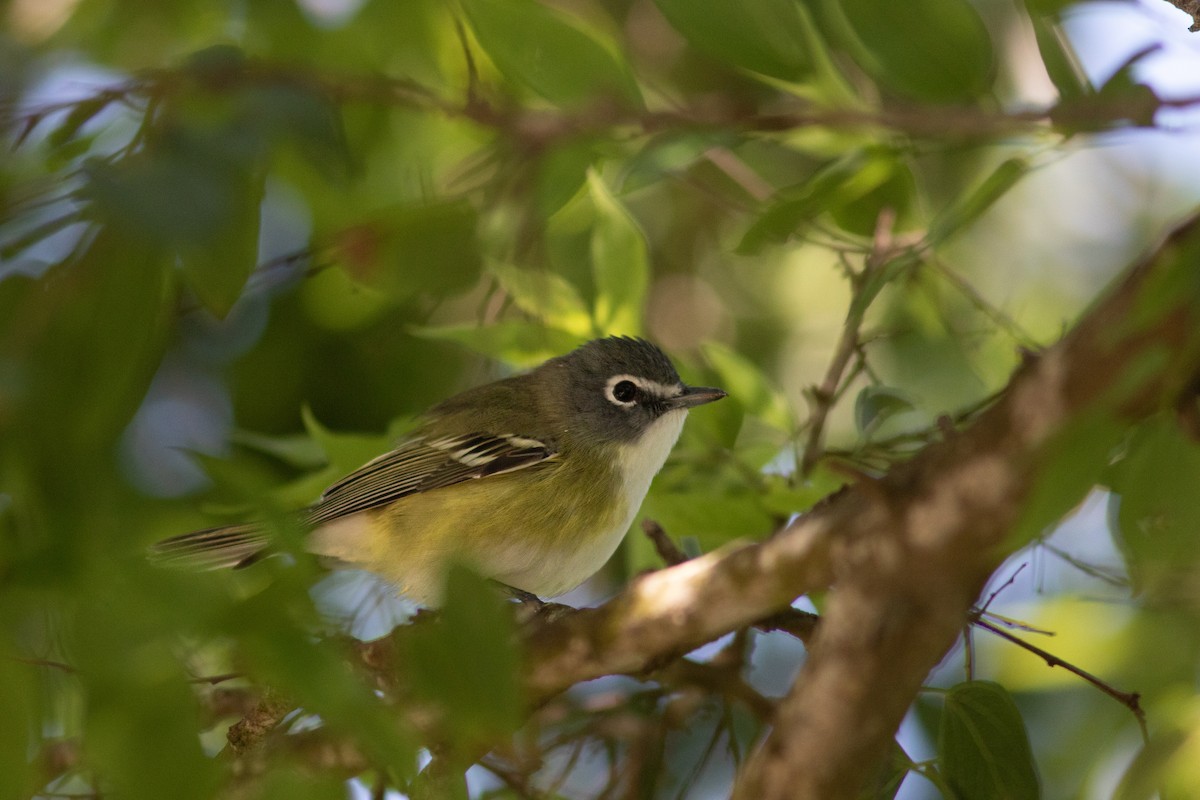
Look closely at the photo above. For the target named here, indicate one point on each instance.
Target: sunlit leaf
(521, 344)
(714, 517)
(784, 498)
(620, 264)
(748, 385)
(837, 184)
(546, 295)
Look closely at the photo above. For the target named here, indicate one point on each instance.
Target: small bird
(533, 480)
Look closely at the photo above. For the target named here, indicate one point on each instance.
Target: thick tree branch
(907, 553)
(1192, 9)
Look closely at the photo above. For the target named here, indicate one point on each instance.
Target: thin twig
(1131, 700)
(981, 304)
(1099, 573)
(824, 395)
(1011, 579)
(667, 550)
(739, 172)
(1009, 622)
(717, 679)
(800, 624)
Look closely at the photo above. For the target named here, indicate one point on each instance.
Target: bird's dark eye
(625, 391)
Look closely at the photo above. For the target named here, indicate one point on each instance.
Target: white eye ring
(645, 387)
(611, 390)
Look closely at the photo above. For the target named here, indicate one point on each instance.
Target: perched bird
(533, 480)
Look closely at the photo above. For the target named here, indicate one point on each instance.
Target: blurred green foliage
(258, 239)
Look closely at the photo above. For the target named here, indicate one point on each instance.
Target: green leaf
(467, 662)
(747, 385)
(1048, 7)
(286, 781)
(18, 691)
(273, 629)
(838, 184)
(217, 270)
(885, 182)
(1058, 57)
(522, 344)
(672, 153)
(561, 173)
(875, 404)
(95, 328)
(1137, 101)
(196, 204)
(79, 116)
(620, 264)
(713, 515)
(215, 65)
(1067, 469)
(165, 200)
(970, 208)
(429, 248)
(983, 748)
(552, 53)
(303, 117)
(1166, 753)
(888, 776)
(938, 51)
(783, 499)
(345, 451)
(766, 36)
(546, 295)
(1157, 518)
(335, 301)
(296, 450)
(134, 686)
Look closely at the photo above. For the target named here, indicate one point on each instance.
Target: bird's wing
(425, 463)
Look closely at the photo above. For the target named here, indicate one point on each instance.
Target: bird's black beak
(695, 396)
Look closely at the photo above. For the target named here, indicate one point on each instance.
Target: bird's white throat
(640, 461)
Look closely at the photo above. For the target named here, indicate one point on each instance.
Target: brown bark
(907, 554)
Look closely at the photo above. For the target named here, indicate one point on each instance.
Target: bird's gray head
(620, 386)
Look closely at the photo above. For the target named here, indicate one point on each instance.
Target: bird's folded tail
(227, 547)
